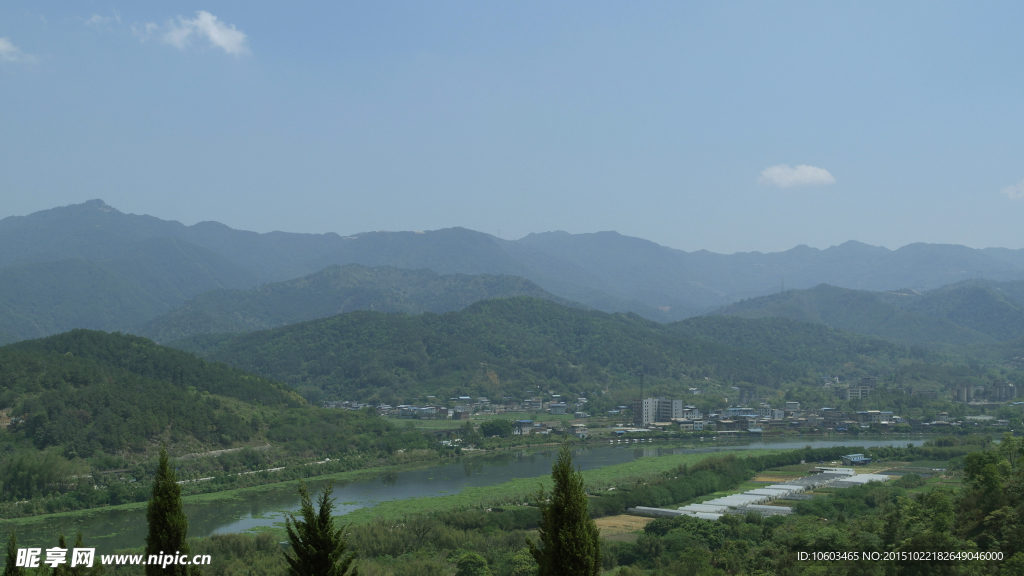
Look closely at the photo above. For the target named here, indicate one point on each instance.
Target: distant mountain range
(334, 290)
(973, 312)
(91, 266)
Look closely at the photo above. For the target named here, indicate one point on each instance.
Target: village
(558, 414)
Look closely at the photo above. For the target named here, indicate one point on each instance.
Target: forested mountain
(123, 270)
(86, 391)
(154, 275)
(495, 348)
(992, 308)
(813, 346)
(654, 273)
(332, 291)
(516, 347)
(969, 313)
(857, 311)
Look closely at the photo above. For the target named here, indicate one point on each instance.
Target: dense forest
(953, 318)
(514, 347)
(91, 401)
(495, 348)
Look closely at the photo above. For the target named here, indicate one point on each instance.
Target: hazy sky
(730, 126)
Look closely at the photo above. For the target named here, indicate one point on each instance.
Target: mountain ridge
(604, 270)
(334, 290)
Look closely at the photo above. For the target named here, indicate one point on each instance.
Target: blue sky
(731, 126)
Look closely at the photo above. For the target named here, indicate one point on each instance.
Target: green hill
(85, 391)
(859, 311)
(37, 300)
(967, 314)
(89, 409)
(332, 291)
(503, 347)
(813, 346)
(992, 308)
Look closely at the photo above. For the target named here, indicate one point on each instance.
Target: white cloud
(11, 53)
(181, 33)
(1015, 192)
(144, 31)
(97, 21)
(785, 176)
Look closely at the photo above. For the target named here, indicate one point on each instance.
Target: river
(109, 530)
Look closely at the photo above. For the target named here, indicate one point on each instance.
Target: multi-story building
(649, 410)
(691, 413)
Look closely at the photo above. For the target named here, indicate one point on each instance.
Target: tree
(168, 526)
(496, 427)
(569, 538)
(472, 564)
(523, 563)
(97, 568)
(11, 568)
(318, 549)
(62, 569)
(1011, 448)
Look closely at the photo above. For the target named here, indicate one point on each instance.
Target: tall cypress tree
(168, 526)
(97, 568)
(62, 569)
(12, 569)
(569, 538)
(318, 549)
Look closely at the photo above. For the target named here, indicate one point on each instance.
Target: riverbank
(391, 491)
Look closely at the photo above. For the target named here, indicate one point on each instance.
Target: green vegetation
(168, 526)
(954, 318)
(317, 547)
(42, 298)
(890, 517)
(89, 410)
(522, 347)
(493, 348)
(496, 427)
(568, 538)
(859, 311)
(332, 291)
(83, 392)
(10, 566)
(811, 346)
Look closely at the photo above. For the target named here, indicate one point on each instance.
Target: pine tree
(97, 568)
(63, 569)
(569, 538)
(168, 526)
(12, 569)
(317, 548)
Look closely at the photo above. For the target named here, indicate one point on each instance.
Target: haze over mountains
(334, 290)
(91, 266)
(973, 312)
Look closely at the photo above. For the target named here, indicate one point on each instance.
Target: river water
(109, 530)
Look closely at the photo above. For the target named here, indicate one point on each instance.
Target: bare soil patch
(622, 528)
